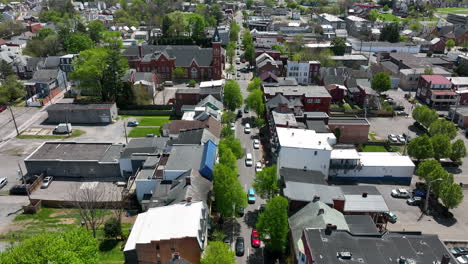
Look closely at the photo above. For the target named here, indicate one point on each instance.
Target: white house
(303, 71)
(304, 149)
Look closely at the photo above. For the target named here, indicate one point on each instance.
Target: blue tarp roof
(208, 160)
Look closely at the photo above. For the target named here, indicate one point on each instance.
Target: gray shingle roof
(45, 75)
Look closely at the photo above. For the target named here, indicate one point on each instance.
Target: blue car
(419, 193)
(251, 196)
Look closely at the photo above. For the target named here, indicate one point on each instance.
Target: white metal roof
(167, 222)
(208, 84)
(371, 203)
(386, 159)
(306, 139)
(341, 154)
(459, 80)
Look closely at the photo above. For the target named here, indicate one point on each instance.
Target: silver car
(3, 182)
(46, 182)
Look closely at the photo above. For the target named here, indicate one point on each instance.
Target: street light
(426, 203)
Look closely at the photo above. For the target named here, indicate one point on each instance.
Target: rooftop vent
(344, 255)
(321, 211)
(364, 195)
(402, 260)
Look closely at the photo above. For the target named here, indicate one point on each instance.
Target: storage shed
(82, 113)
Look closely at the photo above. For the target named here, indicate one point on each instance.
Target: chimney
(305, 116)
(189, 199)
(445, 259)
(176, 255)
(320, 142)
(364, 195)
(287, 124)
(317, 198)
(140, 51)
(321, 211)
(187, 180)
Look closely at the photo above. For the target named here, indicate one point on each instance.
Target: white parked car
(3, 182)
(46, 182)
(233, 126)
(256, 144)
(401, 138)
(258, 166)
(248, 160)
(400, 193)
(247, 128)
(392, 138)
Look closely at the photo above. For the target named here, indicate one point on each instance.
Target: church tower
(217, 56)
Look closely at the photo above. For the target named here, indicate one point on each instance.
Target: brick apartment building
(436, 91)
(313, 98)
(198, 63)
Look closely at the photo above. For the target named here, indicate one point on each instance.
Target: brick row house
(313, 98)
(436, 91)
(198, 63)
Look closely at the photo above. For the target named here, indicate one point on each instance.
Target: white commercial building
(348, 164)
(304, 149)
(303, 71)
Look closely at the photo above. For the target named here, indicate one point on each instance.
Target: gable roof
(211, 100)
(45, 75)
(176, 126)
(196, 136)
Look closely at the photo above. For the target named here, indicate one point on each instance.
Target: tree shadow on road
(250, 218)
(231, 228)
(256, 257)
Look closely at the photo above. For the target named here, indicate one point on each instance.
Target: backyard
(56, 220)
(452, 10)
(148, 125)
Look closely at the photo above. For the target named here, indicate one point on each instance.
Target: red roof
(436, 79)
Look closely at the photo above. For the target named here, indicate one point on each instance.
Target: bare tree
(90, 205)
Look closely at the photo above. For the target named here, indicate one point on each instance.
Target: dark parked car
(239, 113)
(246, 109)
(20, 189)
(132, 123)
(414, 201)
(398, 108)
(419, 193)
(240, 212)
(459, 251)
(240, 246)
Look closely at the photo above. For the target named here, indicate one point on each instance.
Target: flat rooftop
(76, 151)
(66, 106)
(342, 154)
(303, 138)
(386, 159)
(307, 91)
(351, 121)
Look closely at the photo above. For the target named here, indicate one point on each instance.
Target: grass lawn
(452, 10)
(143, 131)
(109, 251)
(372, 135)
(153, 121)
(75, 133)
(371, 148)
(389, 17)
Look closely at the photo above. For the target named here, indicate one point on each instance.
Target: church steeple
(216, 38)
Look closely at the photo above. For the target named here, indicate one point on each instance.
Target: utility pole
(14, 121)
(125, 131)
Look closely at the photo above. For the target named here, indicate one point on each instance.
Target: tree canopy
(421, 148)
(217, 252)
(71, 246)
(445, 127)
(11, 89)
(232, 95)
(266, 182)
(442, 146)
(273, 225)
(390, 33)
(233, 144)
(381, 82)
(229, 194)
(254, 84)
(424, 115)
(254, 101)
(338, 46)
(451, 195)
(458, 150)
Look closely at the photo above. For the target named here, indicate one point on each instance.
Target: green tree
(217, 12)
(428, 71)
(95, 28)
(426, 167)
(249, 4)
(229, 194)
(458, 150)
(390, 33)
(442, 146)
(70, 246)
(381, 82)
(421, 148)
(113, 72)
(451, 195)
(141, 96)
(227, 117)
(462, 69)
(416, 27)
(325, 58)
(196, 25)
(77, 42)
(254, 101)
(450, 44)
(247, 39)
(217, 252)
(233, 144)
(11, 89)
(226, 131)
(231, 51)
(178, 23)
(279, 48)
(445, 127)
(166, 25)
(386, 8)
(226, 157)
(338, 46)
(424, 115)
(234, 30)
(373, 15)
(273, 225)
(232, 95)
(5, 69)
(112, 228)
(45, 32)
(266, 182)
(179, 73)
(249, 55)
(254, 84)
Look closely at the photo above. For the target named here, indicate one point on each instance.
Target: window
(194, 73)
(310, 101)
(315, 153)
(317, 101)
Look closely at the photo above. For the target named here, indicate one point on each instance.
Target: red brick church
(199, 63)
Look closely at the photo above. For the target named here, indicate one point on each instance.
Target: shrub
(112, 228)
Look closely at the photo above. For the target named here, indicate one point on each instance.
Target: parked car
(233, 126)
(261, 208)
(392, 138)
(401, 113)
(20, 189)
(251, 196)
(46, 182)
(458, 251)
(248, 160)
(391, 217)
(63, 128)
(3, 182)
(418, 193)
(258, 167)
(239, 113)
(240, 211)
(246, 110)
(3, 108)
(247, 128)
(255, 238)
(239, 246)
(401, 138)
(398, 108)
(463, 259)
(238, 74)
(132, 123)
(400, 193)
(414, 201)
(227, 241)
(256, 144)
